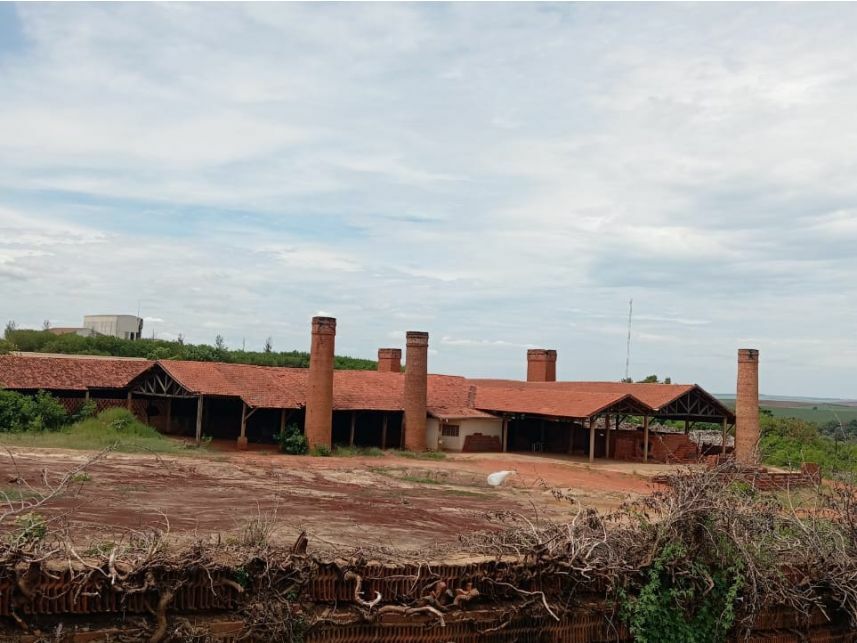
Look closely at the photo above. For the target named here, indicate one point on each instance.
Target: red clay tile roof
(78, 373)
(655, 396)
(274, 387)
(258, 386)
(512, 396)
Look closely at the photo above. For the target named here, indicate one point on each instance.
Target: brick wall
(663, 447)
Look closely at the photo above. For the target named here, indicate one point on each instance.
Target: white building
(121, 326)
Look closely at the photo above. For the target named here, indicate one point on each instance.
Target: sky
(503, 176)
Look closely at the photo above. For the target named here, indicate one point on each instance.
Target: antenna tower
(628, 346)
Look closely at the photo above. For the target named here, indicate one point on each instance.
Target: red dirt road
(379, 501)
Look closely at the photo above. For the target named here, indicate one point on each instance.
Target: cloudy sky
(502, 176)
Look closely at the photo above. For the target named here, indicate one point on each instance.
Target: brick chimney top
(748, 355)
(541, 365)
(324, 325)
(416, 338)
(541, 353)
(390, 360)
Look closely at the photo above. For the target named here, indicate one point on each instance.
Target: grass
(117, 428)
(419, 455)
(342, 451)
(16, 494)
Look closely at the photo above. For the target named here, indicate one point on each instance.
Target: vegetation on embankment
(42, 341)
(41, 421)
(789, 442)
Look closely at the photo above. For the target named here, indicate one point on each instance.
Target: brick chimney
(319, 395)
(390, 360)
(541, 365)
(747, 407)
(416, 384)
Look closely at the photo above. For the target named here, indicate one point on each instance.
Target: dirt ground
(379, 501)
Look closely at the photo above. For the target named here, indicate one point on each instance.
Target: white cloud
(478, 171)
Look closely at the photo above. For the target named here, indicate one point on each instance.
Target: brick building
(385, 408)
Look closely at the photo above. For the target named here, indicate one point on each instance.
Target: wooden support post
(282, 421)
(384, 431)
(723, 438)
(242, 439)
(128, 404)
(686, 426)
(645, 438)
(504, 435)
(353, 425)
(199, 419)
(169, 425)
(592, 439)
(607, 435)
(86, 395)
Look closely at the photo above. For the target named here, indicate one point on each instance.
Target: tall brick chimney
(318, 424)
(416, 384)
(541, 365)
(747, 407)
(390, 360)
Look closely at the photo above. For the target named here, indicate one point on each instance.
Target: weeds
(342, 451)
(419, 455)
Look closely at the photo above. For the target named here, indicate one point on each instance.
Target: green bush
(789, 442)
(25, 413)
(87, 410)
(292, 441)
(117, 428)
(673, 608)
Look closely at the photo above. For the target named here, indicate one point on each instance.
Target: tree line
(43, 341)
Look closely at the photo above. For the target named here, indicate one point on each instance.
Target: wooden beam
(242, 439)
(592, 439)
(505, 434)
(86, 395)
(283, 422)
(353, 427)
(607, 436)
(645, 438)
(686, 426)
(129, 405)
(723, 438)
(169, 425)
(384, 431)
(199, 419)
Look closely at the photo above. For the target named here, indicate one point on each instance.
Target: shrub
(87, 410)
(24, 413)
(53, 414)
(292, 441)
(321, 451)
(31, 527)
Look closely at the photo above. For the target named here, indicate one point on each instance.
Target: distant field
(812, 412)
(819, 414)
